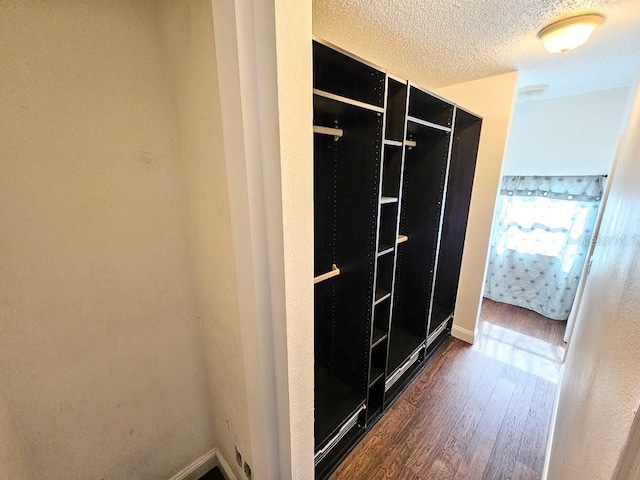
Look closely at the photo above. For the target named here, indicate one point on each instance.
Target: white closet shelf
(384, 200)
(393, 143)
(428, 124)
(384, 250)
(348, 101)
(381, 296)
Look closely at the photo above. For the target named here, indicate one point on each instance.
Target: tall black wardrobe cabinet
(393, 174)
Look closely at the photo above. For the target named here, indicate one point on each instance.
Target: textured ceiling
(443, 42)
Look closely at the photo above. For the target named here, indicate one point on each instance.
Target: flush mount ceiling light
(569, 33)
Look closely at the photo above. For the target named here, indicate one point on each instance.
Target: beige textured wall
(295, 99)
(600, 391)
(493, 99)
(100, 344)
(190, 46)
(14, 456)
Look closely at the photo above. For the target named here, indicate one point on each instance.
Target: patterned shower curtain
(540, 240)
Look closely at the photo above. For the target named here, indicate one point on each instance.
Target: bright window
(542, 226)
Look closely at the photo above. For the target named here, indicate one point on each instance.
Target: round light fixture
(569, 33)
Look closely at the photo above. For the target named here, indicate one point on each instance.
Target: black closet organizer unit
(393, 173)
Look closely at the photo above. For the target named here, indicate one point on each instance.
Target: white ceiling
(442, 42)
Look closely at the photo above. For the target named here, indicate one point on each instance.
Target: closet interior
(393, 176)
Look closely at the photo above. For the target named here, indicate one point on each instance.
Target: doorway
(559, 155)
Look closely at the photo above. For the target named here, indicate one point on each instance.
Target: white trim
(582, 283)
(463, 334)
(203, 464)
(224, 466)
(250, 96)
(552, 428)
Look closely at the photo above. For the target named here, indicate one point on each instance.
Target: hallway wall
(14, 457)
(492, 98)
(575, 135)
(600, 392)
(189, 43)
(101, 357)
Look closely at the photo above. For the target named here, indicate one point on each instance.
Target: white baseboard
(203, 464)
(463, 334)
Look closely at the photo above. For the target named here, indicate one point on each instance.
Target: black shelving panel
(396, 110)
(378, 360)
(378, 336)
(425, 169)
(388, 220)
(403, 344)
(346, 178)
(335, 402)
(381, 317)
(384, 275)
(382, 243)
(464, 153)
(347, 166)
(426, 106)
(337, 73)
(391, 171)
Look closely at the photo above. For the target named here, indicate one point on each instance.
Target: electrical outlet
(247, 470)
(238, 457)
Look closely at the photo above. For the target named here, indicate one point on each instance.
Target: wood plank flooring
(475, 412)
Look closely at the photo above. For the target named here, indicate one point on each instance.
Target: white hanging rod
(402, 238)
(410, 143)
(335, 271)
(335, 132)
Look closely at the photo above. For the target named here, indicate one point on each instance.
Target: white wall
(600, 392)
(187, 30)
(101, 358)
(574, 135)
(265, 84)
(493, 99)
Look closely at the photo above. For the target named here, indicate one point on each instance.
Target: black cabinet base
(338, 452)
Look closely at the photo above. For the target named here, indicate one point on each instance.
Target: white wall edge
(248, 87)
(463, 334)
(224, 466)
(203, 464)
(554, 415)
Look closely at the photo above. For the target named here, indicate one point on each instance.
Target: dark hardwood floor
(475, 412)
